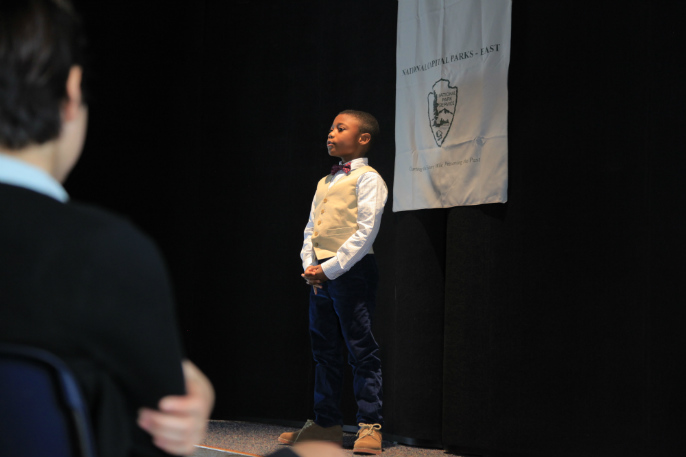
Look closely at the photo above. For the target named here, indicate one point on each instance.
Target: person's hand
(181, 421)
(314, 276)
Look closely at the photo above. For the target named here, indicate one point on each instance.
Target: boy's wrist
(331, 268)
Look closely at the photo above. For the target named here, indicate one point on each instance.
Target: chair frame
(74, 408)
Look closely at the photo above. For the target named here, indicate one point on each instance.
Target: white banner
(451, 103)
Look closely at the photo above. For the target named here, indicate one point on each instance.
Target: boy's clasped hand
(314, 276)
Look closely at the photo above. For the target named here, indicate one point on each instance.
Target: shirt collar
(16, 172)
(356, 163)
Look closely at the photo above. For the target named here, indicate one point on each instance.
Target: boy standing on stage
(340, 266)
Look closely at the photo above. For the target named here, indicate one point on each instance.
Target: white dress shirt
(371, 198)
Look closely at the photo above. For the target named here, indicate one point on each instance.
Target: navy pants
(341, 314)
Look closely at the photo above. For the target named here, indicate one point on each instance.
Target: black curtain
(550, 325)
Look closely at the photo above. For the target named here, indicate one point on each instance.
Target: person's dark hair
(368, 123)
(40, 40)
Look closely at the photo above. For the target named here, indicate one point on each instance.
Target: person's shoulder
(369, 172)
(44, 217)
(96, 216)
(369, 169)
(371, 180)
(107, 229)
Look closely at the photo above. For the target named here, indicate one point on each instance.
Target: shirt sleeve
(307, 253)
(371, 198)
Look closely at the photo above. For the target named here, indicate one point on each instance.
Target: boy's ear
(73, 101)
(365, 138)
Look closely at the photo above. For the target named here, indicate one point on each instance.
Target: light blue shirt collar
(18, 173)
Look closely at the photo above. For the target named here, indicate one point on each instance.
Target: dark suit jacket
(92, 289)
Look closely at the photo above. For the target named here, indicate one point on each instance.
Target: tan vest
(335, 212)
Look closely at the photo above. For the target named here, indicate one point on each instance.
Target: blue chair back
(42, 411)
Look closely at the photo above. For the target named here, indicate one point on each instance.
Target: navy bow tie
(336, 168)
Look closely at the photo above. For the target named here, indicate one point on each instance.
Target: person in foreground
(339, 264)
(75, 280)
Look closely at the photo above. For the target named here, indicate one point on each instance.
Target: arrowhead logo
(442, 101)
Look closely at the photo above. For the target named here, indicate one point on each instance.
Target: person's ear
(73, 101)
(365, 138)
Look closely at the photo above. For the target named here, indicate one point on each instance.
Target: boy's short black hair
(368, 123)
(40, 40)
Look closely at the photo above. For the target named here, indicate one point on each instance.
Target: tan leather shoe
(313, 432)
(368, 439)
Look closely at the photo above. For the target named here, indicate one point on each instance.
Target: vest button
(316, 234)
(325, 200)
(322, 211)
(319, 222)
(316, 245)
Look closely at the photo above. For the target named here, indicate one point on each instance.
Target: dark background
(550, 325)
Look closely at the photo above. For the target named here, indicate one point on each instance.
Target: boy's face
(345, 140)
